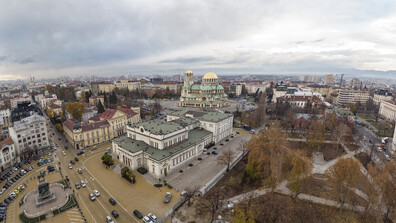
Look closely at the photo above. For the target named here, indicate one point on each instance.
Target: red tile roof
(7, 141)
(54, 106)
(86, 126)
(108, 114)
(128, 111)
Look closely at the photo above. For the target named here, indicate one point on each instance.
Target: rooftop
(202, 115)
(134, 146)
(158, 126)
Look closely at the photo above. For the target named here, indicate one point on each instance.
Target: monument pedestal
(45, 195)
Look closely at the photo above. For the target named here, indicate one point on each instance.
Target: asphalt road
(374, 140)
(96, 210)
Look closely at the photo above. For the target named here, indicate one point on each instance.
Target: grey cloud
(188, 60)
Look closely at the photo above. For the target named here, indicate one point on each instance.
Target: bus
(357, 122)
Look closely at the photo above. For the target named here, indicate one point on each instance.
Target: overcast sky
(52, 38)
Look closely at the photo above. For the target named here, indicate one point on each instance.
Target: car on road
(80, 153)
(78, 186)
(83, 184)
(109, 219)
(167, 197)
(215, 152)
(96, 192)
(387, 157)
(112, 201)
(76, 159)
(79, 171)
(152, 217)
(72, 162)
(115, 213)
(70, 166)
(63, 153)
(138, 214)
(379, 149)
(147, 220)
(92, 197)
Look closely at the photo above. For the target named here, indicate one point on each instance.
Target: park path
(282, 189)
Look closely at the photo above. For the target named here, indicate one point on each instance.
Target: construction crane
(342, 75)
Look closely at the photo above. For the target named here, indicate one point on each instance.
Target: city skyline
(254, 37)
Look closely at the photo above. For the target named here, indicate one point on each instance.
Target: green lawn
(365, 116)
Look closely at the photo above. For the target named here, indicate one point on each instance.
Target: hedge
(180, 171)
(142, 170)
(26, 219)
(157, 185)
(190, 165)
(199, 158)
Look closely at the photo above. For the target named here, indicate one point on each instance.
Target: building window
(153, 169)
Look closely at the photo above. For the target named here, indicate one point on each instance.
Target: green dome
(219, 87)
(206, 88)
(195, 87)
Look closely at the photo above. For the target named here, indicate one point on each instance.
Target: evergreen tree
(106, 103)
(101, 108)
(113, 98)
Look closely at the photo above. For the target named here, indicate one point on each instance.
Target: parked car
(76, 159)
(109, 219)
(80, 153)
(115, 213)
(112, 201)
(379, 149)
(147, 220)
(167, 197)
(152, 217)
(92, 197)
(83, 184)
(79, 171)
(2, 190)
(387, 157)
(70, 166)
(215, 152)
(78, 186)
(72, 162)
(138, 214)
(96, 192)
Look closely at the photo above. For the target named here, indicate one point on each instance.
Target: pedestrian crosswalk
(74, 215)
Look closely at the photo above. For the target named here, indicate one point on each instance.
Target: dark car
(72, 162)
(80, 153)
(59, 139)
(138, 214)
(7, 201)
(2, 204)
(76, 159)
(112, 201)
(215, 152)
(115, 213)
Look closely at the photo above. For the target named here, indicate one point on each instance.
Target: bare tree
(341, 131)
(226, 158)
(209, 204)
(242, 146)
(190, 192)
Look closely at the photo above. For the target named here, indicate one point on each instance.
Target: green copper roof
(194, 136)
(158, 127)
(203, 115)
(206, 88)
(186, 86)
(219, 87)
(216, 96)
(195, 87)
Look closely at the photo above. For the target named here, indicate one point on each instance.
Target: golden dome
(189, 72)
(210, 75)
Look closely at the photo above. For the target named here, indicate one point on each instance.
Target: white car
(379, 149)
(2, 190)
(70, 166)
(152, 217)
(92, 197)
(147, 220)
(96, 192)
(387, 157)
(83, 184)
(109, 219)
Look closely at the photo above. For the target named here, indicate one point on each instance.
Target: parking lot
(141, 196)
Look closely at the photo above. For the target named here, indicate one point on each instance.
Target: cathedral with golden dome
(209, 94)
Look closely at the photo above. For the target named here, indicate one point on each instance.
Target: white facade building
(29, 133)
(350, 96)
(5, 116)
(161, 146)
(8, 155)
(388, 110)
